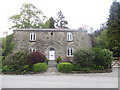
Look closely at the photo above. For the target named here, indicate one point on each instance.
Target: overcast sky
(77, 12)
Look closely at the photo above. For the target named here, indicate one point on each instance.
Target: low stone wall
(94, 71)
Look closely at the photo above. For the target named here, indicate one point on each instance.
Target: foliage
(86, 69)
(7, 45)
(76, 67)
(38, 67)
(113, 30)
(29, 17)
(16, 61)
(36, 57)
(49, 23)
(103, 57)
(52, 22)
(65, 67)
(60, 22)
(101, 39)
(58, 59)
(84, 57)
(26, 68)
(6, 68)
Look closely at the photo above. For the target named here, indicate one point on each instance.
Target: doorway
(52, 54)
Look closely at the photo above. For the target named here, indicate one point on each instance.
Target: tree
(49, 23)
(52, 22)
(101, 39)
(29, 17)
(7, 45)
(60, 22)
(113, 32)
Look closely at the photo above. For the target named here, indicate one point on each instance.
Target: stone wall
(46, 40)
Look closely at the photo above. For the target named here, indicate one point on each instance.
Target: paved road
(96, 80)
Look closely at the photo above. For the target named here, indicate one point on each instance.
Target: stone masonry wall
(45, 41)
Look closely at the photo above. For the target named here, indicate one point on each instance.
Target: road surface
(91, 80)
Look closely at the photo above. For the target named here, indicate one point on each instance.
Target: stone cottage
(52, 42)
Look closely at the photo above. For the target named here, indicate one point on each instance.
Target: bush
(58, 59)
(38, 67)
(86, 69)
(6, 68)
(26, 68)
(36, 57)
(7, 45)
(103, 58)
(76, 67)
(65, 67)
(16, 61)
(84, 57)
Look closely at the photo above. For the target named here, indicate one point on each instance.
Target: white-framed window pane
(69, 36)
(70, 52)
(33, 36)
(32, 49)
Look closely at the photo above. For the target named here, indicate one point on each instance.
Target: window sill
(70, 56)
(70, 41)
(32, 40)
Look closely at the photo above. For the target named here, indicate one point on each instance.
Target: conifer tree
(113, 32)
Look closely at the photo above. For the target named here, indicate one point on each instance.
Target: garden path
(52, 69)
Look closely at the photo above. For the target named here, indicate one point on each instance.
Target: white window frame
(32, 49)
(32, 36)
(69, 36)
(69, 52)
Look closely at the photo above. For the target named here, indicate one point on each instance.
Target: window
(70, 52)
(32, 49)
(33, 36)
(69, 36)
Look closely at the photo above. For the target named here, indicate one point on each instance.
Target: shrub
(16, 61)
(103, 57)
(76, 67)
(38, 67)
(84, 57)
(36, 57)
(26, 68)
(65, 67)
(86, 69)
(7, 45)
(58, 59)
(6, 68)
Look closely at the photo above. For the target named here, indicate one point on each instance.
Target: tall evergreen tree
(113, 31)
(60, 21)
(52, 22)
(49, 23)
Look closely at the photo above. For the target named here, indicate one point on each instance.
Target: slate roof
(52, 30)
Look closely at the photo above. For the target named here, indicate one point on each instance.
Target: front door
(52, 55)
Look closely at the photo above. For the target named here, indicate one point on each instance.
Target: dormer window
(69, 36)
(33, 36)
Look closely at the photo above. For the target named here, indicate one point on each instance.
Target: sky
(78, 13)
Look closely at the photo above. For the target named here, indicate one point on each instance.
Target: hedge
(65, 67)
(38, 67)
